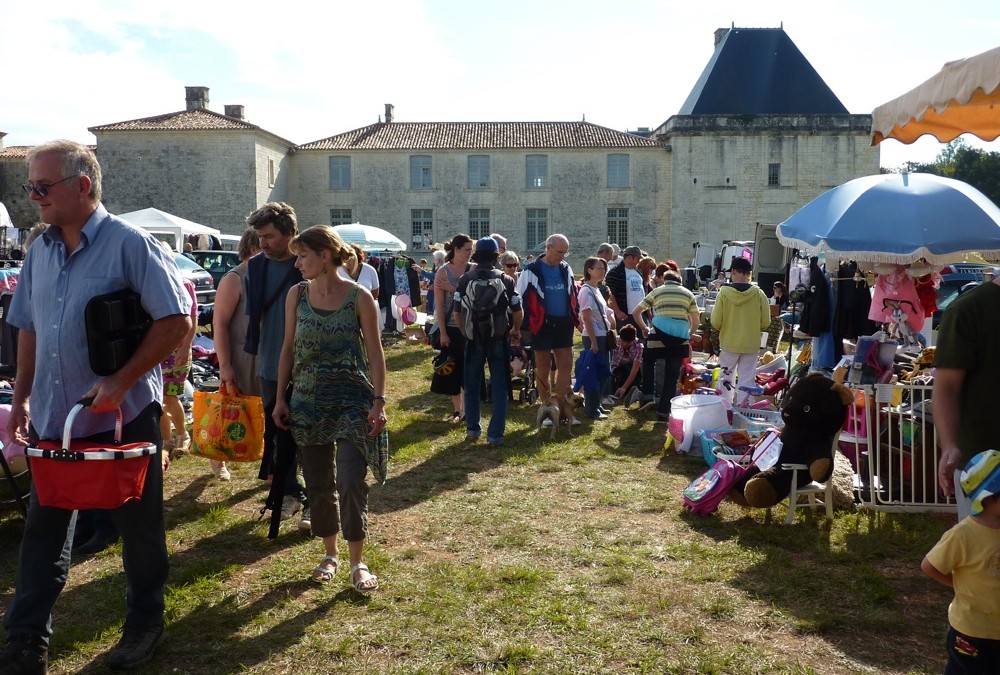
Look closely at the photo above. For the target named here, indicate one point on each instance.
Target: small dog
(558, 409)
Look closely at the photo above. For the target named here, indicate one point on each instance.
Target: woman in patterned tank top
(332, 358)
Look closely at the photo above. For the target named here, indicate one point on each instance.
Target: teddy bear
(813, 412)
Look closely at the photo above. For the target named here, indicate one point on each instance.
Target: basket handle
(80, 405)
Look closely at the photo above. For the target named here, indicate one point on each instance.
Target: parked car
(204, 285)
(217, 262)
(956, 279)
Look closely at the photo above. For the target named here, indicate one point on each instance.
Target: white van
(770, 259)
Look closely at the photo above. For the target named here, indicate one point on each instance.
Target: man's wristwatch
(379, 398)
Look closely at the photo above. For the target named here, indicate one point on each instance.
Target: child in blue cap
(967, 558)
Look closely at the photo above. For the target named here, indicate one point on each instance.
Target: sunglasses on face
(511, 266)
(42, 189)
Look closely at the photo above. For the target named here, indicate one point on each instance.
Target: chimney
(235, 111)
(719, 34)
(196, 97)
(388, 112)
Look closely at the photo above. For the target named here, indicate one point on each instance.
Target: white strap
(66, 455)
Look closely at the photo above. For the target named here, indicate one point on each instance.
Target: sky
(306, 71)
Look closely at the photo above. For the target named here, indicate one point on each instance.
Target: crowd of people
(298, 323)
(633, 314)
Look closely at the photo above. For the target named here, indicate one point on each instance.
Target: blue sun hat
(981, 479)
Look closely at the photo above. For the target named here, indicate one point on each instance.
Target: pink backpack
(703, 496)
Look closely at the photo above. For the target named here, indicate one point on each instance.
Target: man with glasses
(548, 299)
(86, 252)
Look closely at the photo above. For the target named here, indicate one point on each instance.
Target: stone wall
(211, 177)
(577, 198)
(14, 174)
(720, 170)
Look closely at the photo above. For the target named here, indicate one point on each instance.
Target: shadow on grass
(213, 637)
(97, 606)
(444, 471)
(848, 595)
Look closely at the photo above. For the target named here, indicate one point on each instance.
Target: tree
(960, 161)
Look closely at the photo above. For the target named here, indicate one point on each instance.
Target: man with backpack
(487, 311)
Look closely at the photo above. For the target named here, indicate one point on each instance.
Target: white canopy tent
(167, 226)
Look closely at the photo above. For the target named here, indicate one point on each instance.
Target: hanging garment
(817, 309)
(900, 290)
(853, 304)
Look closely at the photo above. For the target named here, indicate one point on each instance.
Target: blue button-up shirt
(52, 293)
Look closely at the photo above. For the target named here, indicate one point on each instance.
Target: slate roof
(760, 71)
(480, 136)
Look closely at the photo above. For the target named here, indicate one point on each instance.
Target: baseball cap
(740, 265)
(487, 245)
(632, 251)
(981, 478)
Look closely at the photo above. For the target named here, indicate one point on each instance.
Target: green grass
(565, 556)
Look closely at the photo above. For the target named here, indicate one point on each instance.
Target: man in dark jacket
(269, 276)
(621, 280)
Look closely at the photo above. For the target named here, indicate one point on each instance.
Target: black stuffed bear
(814, 411)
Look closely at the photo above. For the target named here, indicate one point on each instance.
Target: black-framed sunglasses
(510, 265)
(42, 189)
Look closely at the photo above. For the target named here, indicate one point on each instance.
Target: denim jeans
(44, 557)
(592, 399)
(477, 354)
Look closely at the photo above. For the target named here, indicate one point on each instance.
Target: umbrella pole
(791, 339)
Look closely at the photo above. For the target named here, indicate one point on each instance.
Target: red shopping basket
(87, 475)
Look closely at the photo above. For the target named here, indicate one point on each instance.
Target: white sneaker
(547, 422)
(609, 401)
(289, 507)
(305, 523)
(576, 422)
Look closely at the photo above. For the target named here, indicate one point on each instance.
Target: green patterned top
(331, 381)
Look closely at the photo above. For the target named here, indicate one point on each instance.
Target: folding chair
(813, 493)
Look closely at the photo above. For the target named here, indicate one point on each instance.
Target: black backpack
(484, 307)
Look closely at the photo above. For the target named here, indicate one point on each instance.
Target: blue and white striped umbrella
(897, 218)
(369, 237)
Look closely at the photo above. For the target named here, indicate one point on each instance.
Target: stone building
(759, 136)
(525, 180)
(13, 174)
(197, 164)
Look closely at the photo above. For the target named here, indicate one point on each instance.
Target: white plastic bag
(691, 413)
